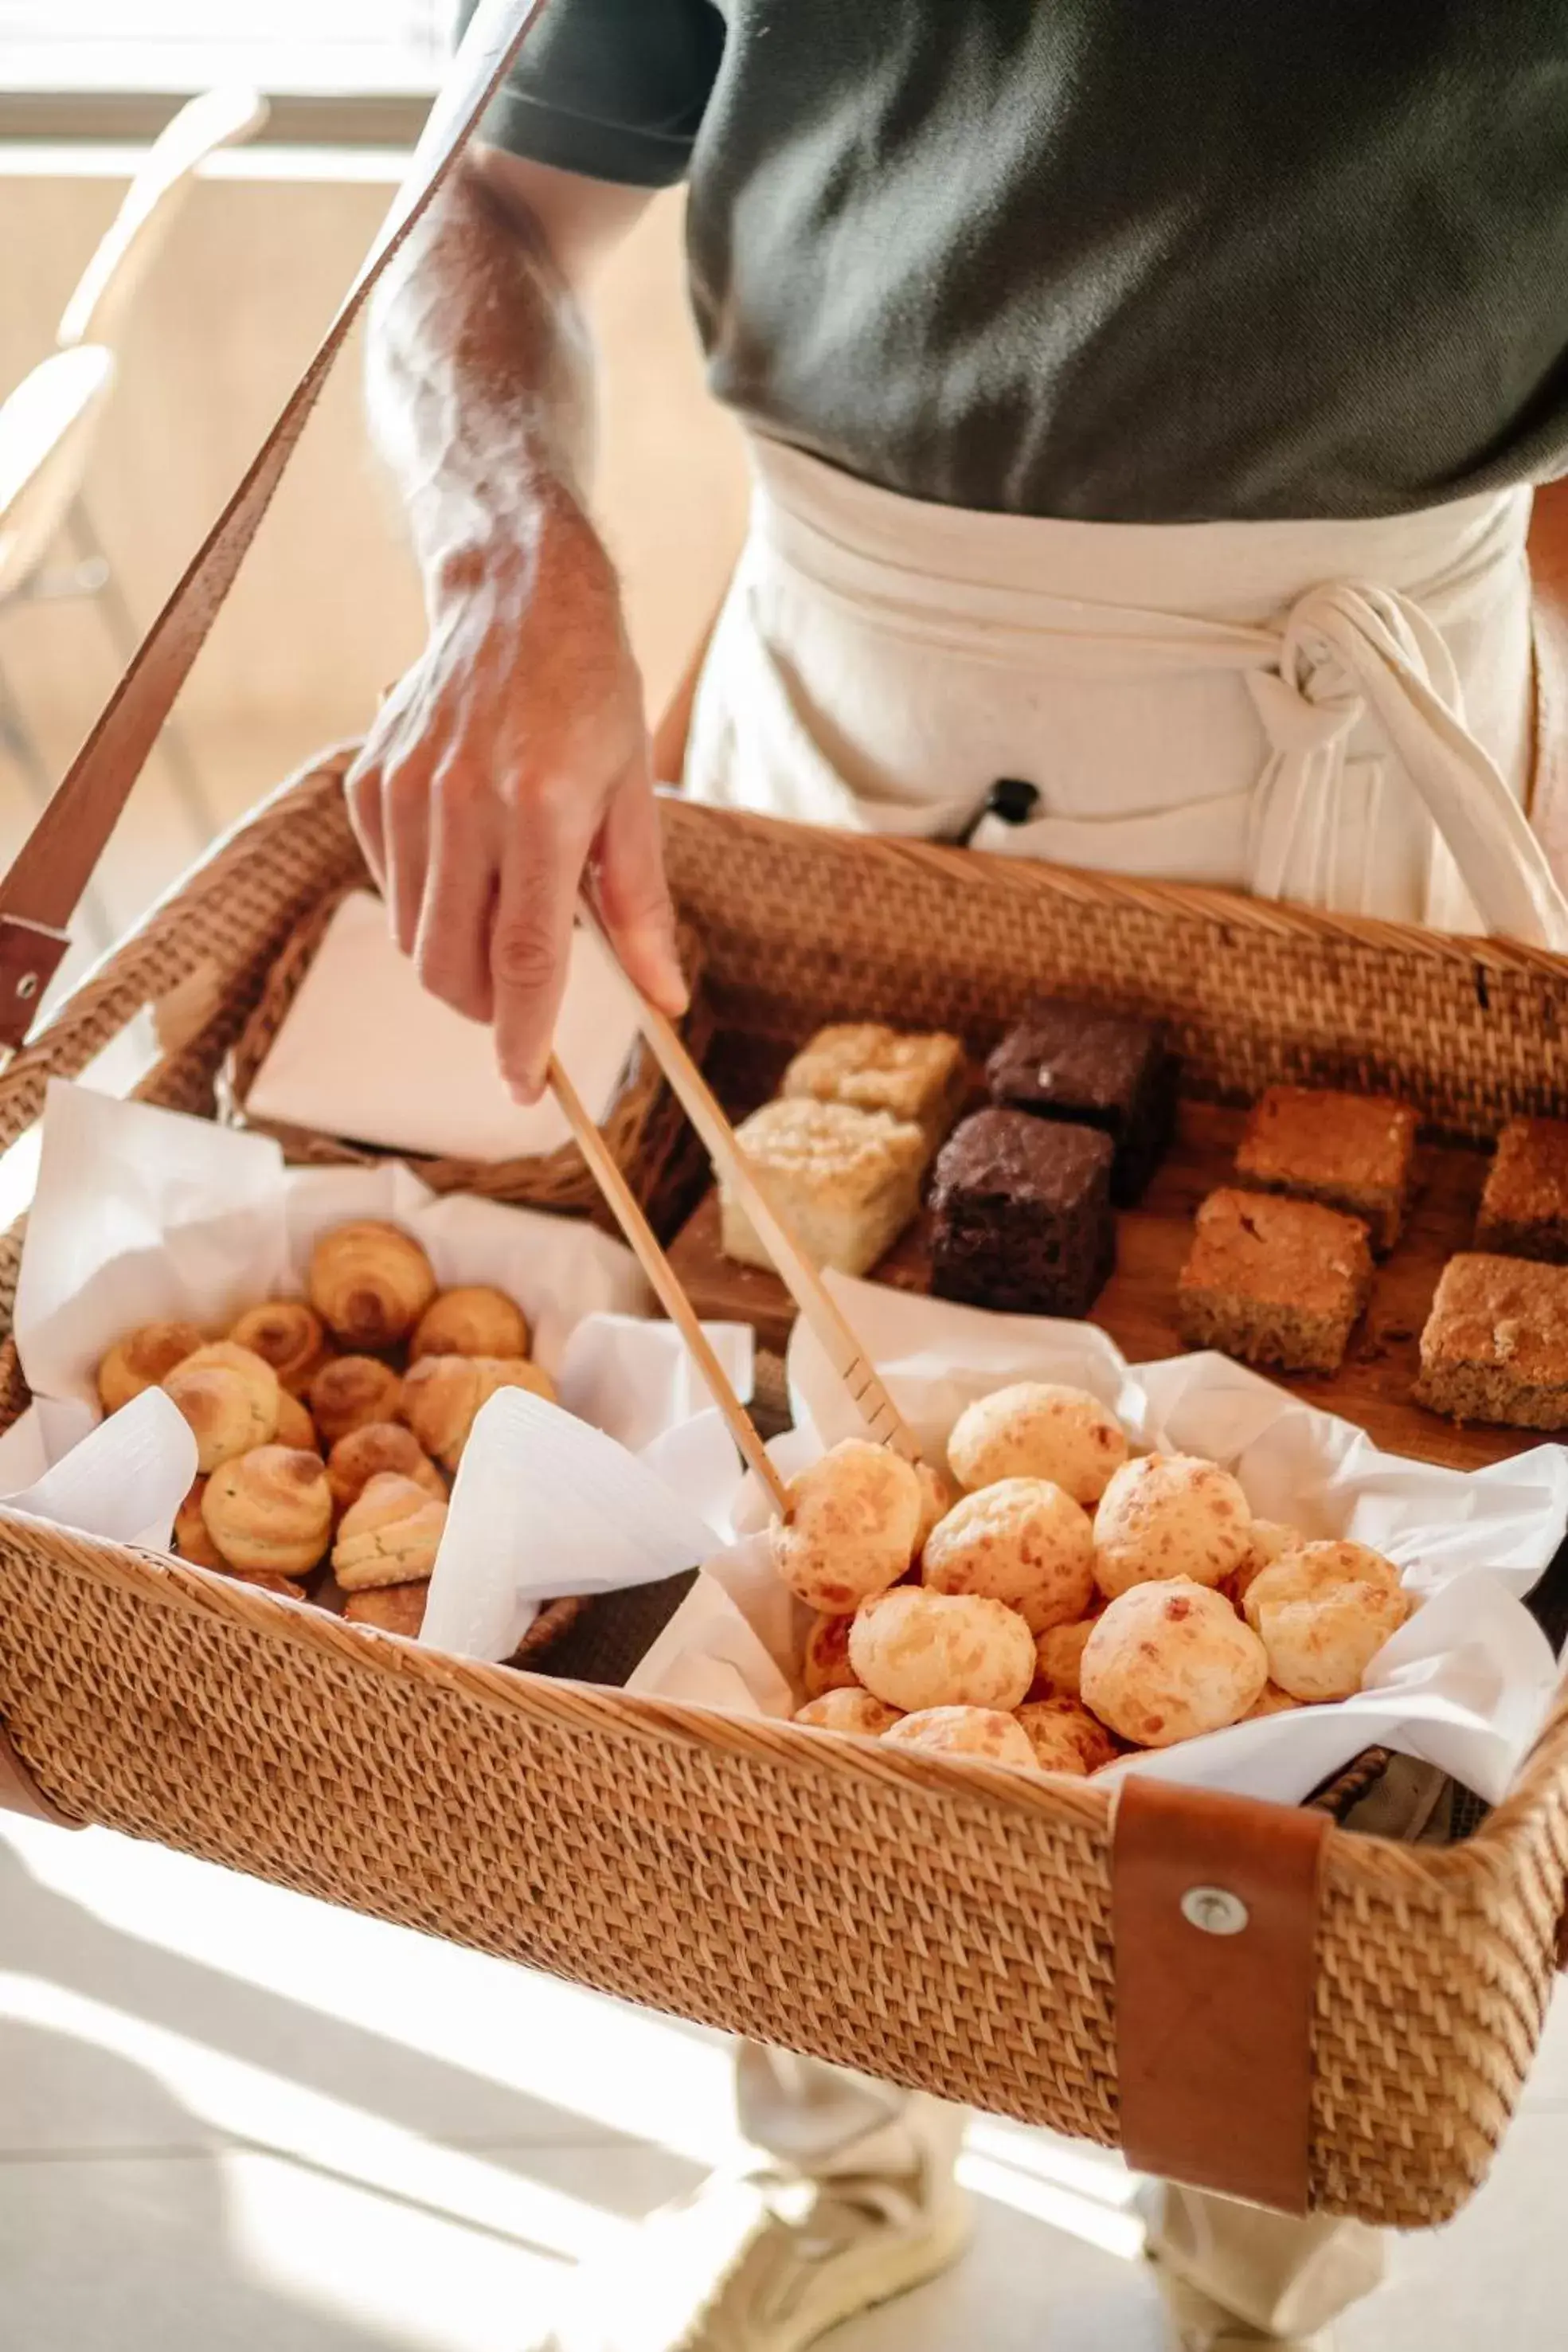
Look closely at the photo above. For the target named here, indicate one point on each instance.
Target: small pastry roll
(827, 1666)
(295, 1426)
(1322, 1615)
(1170, 1660)
(1059, 1660)
(379, 1445)
(370, 1283)
(854, 1711)
(1036, 1429)
(143, 1359)
(229, 1397)
(473, 1321)
(390, 1608)
(390, 1536)
(1023, 1541)
(1170, 1515)
(442, 1394)
(966, 1731)
(192, 1540)
(854, 1519)
(288, 1335)
(270, 1511)
(351, 1391)
(919, 1650)
(1050, 1722)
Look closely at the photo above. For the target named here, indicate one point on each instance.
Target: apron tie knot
(1347, 648)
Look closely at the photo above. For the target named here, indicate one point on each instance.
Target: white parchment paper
(1465, 1684)
(142, 1214)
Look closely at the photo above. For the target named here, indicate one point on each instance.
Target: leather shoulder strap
(40, 893)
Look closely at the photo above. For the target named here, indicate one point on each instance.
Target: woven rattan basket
(944, 1924)
(645, 1128)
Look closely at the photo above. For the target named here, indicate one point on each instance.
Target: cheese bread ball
(1023, 1541)
(1274, 1701)
(937, 1496)
(1322, 1615)
(1170, 1661)
(1170, 1515)
(964, 1731)
(1037, 1430)
(918, 1649)
(1270, 1541)
(1049, 1721)
(854, 1711)
(1059, 1660)
(826, 1666)
(854, 1519)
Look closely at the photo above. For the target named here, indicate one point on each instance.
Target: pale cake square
(845, 1182)
(1354, 1152)
(1524, 1209)
(1496, 1343)
(920, 1076)
(1274, 1281)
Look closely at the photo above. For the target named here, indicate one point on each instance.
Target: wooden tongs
(823, 1316)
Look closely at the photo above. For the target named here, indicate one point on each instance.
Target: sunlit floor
(234, 2120)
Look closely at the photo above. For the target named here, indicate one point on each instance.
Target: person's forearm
(508, 767)
(480, 382)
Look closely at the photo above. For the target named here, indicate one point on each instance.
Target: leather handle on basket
(39, 894)
(1215, 1915)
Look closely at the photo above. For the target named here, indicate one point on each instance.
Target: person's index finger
(530, 942)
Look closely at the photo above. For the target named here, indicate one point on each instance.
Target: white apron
(1338, 713)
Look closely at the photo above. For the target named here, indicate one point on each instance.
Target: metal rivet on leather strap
(1214, 1910)
(27, 986)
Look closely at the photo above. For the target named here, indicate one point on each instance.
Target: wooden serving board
(1137, 1306)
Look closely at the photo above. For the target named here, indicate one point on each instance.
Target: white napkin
(142, 1214)
(364, 1053)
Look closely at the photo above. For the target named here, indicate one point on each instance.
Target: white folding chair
(49, 546)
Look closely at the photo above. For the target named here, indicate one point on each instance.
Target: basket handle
(39, 894)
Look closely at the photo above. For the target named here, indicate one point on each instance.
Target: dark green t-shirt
(1126, 260)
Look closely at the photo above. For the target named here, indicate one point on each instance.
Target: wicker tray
(948, 1926)
(646, 1127)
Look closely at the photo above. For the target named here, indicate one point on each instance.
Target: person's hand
(506, 769)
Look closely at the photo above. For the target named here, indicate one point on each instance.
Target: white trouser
(1337, 713)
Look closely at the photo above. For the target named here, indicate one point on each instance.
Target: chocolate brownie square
(1354, 1153)
(1274, 1281)
(1524, 1208)
(1021, 1214)
(1496, 1343)
(1097, 1070)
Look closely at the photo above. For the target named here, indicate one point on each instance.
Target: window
(118, 68)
